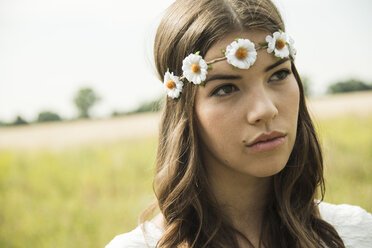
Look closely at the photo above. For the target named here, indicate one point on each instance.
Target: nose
(261, 108)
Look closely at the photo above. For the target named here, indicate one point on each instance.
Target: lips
(267, 141)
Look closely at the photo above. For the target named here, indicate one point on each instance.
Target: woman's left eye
(280, 75)
(224, 90)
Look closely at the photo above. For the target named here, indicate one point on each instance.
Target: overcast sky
(51, 48)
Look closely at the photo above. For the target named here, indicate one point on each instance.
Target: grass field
(83, 196)
(347, 143)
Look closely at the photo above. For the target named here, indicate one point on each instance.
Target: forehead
(255, 36)
(264, 59)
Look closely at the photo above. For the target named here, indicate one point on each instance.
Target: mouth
(267, 142)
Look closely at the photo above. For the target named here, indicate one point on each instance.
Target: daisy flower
(241, 53)
(173, 85)
(278, 43)
(194, 68)
(292, 49)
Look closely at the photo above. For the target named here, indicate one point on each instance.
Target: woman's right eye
(224, 90)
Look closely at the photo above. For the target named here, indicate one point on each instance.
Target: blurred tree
(348, 86)
(84, 100)
(19, 121)
(116, 113)
(151, 106)
(47, 116)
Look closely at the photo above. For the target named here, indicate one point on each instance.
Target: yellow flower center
(279, 44)
(170, 84)
(241, 53)
(195, 68)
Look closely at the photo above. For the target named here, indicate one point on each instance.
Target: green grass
(82, 197)
(347, 147)
(76, 197)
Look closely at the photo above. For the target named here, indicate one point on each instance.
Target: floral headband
(241, 53)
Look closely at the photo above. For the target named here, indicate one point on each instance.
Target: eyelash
(215, 91)
(286, 71)
(224, 86)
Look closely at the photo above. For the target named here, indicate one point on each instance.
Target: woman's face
(247, 118)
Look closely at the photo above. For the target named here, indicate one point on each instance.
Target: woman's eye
(280, 75)
(224, 90)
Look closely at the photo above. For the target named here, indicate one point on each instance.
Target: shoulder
(353, 224)
(145, 235)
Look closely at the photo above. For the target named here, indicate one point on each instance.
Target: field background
(78, 184)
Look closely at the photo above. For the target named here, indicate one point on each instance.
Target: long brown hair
(192, 216)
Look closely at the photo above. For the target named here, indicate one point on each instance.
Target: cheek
(208, 124)
(295, 100)
(214, 125)
(290, 100)
(290, 108)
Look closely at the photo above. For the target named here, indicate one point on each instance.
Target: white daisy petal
(292, 49)
(282, 53)
(241, 53)
(172, 84)
(269, 38)
(271, 44)
(280, 44)
(277, 35)
(194, 68)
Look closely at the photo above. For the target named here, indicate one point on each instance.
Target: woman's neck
(242, 199)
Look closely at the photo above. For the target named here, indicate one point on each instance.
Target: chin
(268, 170)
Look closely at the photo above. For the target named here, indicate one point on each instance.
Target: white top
(353, 224)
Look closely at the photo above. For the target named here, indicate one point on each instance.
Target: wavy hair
(192, 216)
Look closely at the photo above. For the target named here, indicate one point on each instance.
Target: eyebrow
(279, 62)
(222, 77)
(233, 77)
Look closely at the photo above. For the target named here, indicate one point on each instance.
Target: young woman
(238, 162)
